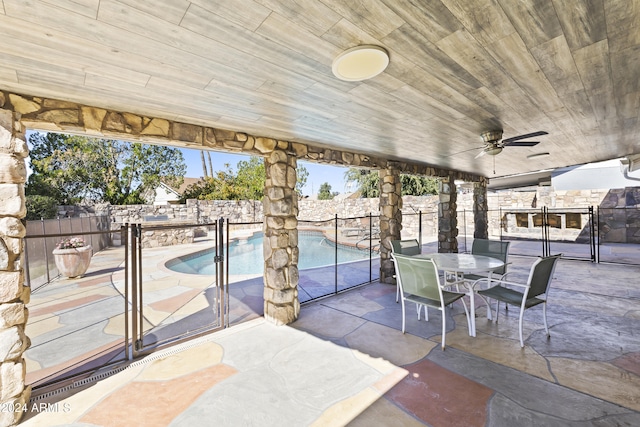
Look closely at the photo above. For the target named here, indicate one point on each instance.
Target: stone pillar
(281, 303)
(13, 294)
(390, 218)
(480, 210)
(447, 219)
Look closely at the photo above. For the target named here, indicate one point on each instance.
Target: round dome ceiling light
(360, 63)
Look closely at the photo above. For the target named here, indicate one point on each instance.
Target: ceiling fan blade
(464, 151)
(519, 137)
(480, 154)
(522, 143)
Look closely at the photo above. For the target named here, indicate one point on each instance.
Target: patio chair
(419, 283)
(495, 249)
(534, 291)
(404, 247)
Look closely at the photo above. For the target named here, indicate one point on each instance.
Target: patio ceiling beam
(53, 115)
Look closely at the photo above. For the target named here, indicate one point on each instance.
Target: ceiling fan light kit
(493, 151)
(493, 142)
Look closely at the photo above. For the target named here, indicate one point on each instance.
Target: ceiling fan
(493, 142)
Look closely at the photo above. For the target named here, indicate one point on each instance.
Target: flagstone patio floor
(345, 361)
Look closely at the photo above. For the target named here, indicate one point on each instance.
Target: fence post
(225, 285)
(592, 220)
(27, 275)
(124, 233)
(370, 247)
(46, 250)
(598, 235)
(95, 218)
(420, 228)
(335, 252)
(134, 291)
(220, 269)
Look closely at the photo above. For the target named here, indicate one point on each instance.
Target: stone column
(480, 208)
(390, 217)
(447, 219)
(13, 294)
(281, 303)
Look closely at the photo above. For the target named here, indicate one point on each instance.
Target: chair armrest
(506, 282)
(505, 275)
(473, 284)
(451, 279)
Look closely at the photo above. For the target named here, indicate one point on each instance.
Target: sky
(318, 174)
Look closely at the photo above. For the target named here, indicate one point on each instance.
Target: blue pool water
(246, 257)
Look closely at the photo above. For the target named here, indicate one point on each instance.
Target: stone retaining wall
(194, 211)
(620, 212)
(166, 236)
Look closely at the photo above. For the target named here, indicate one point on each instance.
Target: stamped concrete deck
(313, 372)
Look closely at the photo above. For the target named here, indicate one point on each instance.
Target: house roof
(185, 184)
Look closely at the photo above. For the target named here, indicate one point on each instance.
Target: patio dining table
(461, 264)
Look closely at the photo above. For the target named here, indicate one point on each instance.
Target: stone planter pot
(73, 262)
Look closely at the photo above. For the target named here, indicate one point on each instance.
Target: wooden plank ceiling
(457, 68)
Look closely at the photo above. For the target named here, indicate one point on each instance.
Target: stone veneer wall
(198, 211)
(13, 294)
(619, 211)
(480, 207)
(447, 216)
(390, 218)
(280, 243)
(167, 237)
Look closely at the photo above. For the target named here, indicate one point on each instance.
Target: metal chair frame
(419, 282)
(534, 291)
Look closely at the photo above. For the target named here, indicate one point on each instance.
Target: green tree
(412, 185)
(301, 178)
(247, 183)
(415, 185)
(75, 168)
(325, 192)
(250, 179)
(368, 181)
(41, 207)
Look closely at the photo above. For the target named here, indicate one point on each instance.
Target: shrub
(41, 207)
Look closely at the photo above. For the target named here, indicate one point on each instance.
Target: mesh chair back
(406, 247)
(417, 276)
(541, 275)
(494, 249)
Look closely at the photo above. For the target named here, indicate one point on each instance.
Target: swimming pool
(246, 256)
